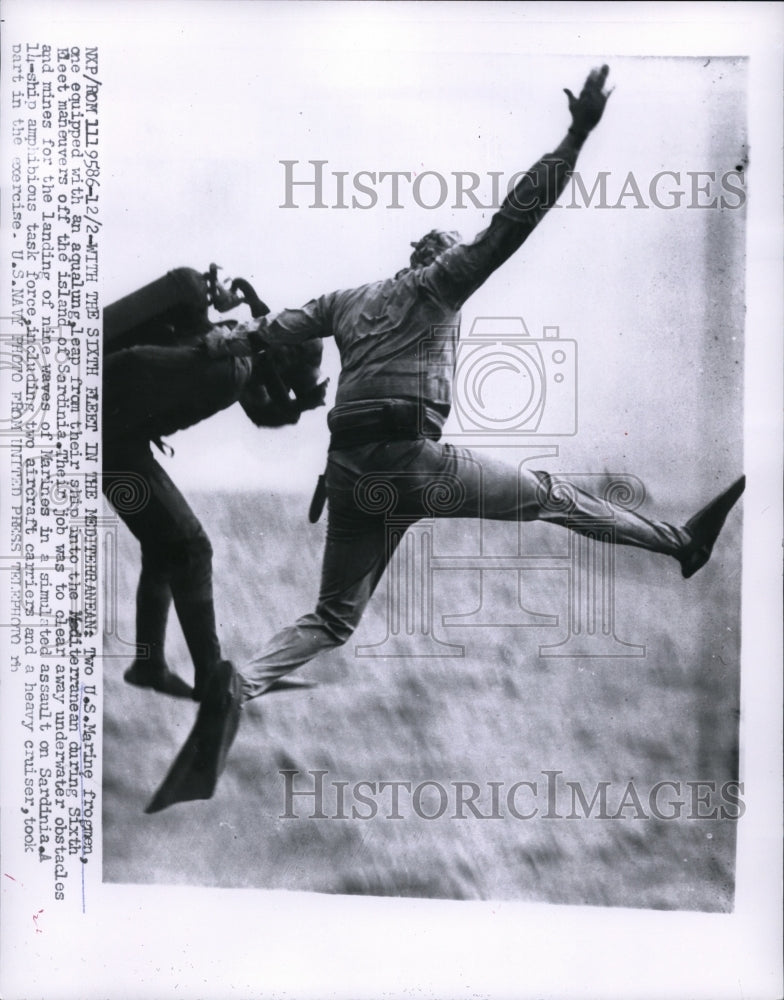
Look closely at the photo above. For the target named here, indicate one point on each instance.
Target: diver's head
(432, 245)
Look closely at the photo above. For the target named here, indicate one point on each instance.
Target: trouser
(176, 555)
(407, 481)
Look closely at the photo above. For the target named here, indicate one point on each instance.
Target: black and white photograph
(391, 529)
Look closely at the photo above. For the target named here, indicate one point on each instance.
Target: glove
(587, 109)
(313, 398)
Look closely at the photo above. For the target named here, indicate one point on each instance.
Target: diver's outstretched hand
(587, 109)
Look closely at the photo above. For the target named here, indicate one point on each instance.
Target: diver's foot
(196, 769)
(158, 677)
(703, 529)
(218, 718)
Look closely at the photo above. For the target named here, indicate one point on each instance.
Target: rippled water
(500, 714)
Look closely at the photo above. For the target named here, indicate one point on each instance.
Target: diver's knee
(191, 554)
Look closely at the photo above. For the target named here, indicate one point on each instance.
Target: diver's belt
(374, 421)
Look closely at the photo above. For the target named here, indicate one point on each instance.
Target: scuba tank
(173, 310)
